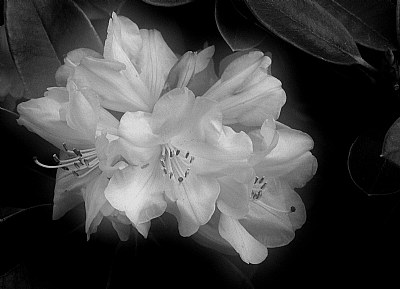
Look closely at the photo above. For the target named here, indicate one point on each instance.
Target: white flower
(282, 161)
(176, 153)
(70, 119)
(134, 69)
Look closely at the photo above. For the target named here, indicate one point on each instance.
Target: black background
(349, 237)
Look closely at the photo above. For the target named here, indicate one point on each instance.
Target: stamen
(77, 152)
(174, 164)
(84, 161)
(56, 159)
(259, 188)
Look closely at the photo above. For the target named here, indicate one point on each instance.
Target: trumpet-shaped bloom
(73, 120)
(177, 151)
(246, 92)
(282, 161)
(133, 71)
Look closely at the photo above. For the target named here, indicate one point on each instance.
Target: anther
(56, 159)
(171, 154)
(187, 155)
(177, 152)
(261, 180)
(170, 175)
(65, 147)
(162, 163)
(263, 186)
(180, 179)
(144, 166)
(292, 209)
(191, 159)
(256, 180)
(77, 152)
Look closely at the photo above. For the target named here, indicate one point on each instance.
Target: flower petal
(270, 219)
(136, 128)
(83, 110)
(94, 198)
(250, 250)
(138, 191)
(123, 36)
(118, 90)
(233, 199)
(195, 198)
(68, 191)
(172, 113)
(214, 146)
(42, 116)
(73, 59)
(235, 73)
(291, 145)
(305, 168)
(122, 230)
(155, 61)
(252, 106)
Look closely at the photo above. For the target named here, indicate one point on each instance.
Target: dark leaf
(309, 27)
(100, 9)
(398, 21)
(238, 32)
(373, 174)
(67, 26)
(391, 143)
(40, 32)
(167, 3)
(16, 278)
(34, 56)
(370, 22)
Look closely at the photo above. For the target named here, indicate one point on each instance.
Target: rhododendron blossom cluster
(143, 132)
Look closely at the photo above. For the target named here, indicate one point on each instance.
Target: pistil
(82, 162)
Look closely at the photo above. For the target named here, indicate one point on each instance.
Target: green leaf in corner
(309, 27)
(391, 143)
(370, 22)
(238, 32)
(40, 33)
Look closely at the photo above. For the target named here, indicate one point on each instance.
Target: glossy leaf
(369, 171)
(40, 33)
(67, 26)
(370, 22)
(167, 3)
(238, 32)
(309, 27)
(391, 144)
(34, 56)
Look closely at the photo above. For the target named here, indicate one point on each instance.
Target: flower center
(175, 163)
(259, 188)
(81, 163)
